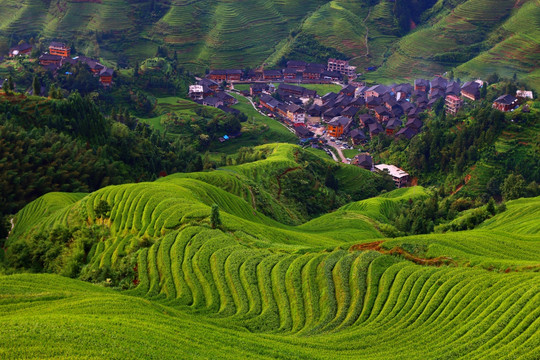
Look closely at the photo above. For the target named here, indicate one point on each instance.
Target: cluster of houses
(356, 112)
(394, 110)
(59, 54)
(296, 71)
(209, 93)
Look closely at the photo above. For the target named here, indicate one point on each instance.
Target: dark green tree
(491, 207)
(513, 187)
(36, 86)
(11, 85)
(102, 210)
(215, 219)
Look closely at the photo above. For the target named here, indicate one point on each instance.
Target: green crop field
(256, 288)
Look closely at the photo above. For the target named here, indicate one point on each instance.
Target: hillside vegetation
(405, 38)
(248, 285)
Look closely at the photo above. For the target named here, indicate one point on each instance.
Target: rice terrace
(270, 179)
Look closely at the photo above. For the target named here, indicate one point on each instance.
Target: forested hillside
(403, 38)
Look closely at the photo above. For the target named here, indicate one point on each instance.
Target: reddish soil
(376, 246)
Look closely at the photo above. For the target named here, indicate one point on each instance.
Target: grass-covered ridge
(254, 287)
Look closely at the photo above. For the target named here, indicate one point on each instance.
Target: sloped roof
(505, 99)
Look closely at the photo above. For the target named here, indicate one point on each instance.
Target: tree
(36, 86)
(5, 87)
(52, 91)
(491, 207)
(102, 209)
(493, 78)
(451, 75)
(483, 91)
(215, 219)
(513, 187)
(11, 85)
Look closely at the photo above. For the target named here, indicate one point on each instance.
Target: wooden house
(505, 103)
(268, 102)
(296, 65)
(20, 50)
(393, 125)
(381, 113)
(364, 161)
(357, 136)
(290, 74)
(375, 129)
(272, 75)
(421, 85)
(471, 90)
(106, 76)
(59, 49)
(407, 132)
(377, 91)
(48, 59)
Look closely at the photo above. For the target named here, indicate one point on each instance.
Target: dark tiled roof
(49, 57)
(505, 99)
(357, 134)
(375, 128)
(363, 160)
(21, 47)
(340, 120)
(394, 123)
(407, 132)
(366, 119)
(57, 44)
(414, 123)
(471, 87)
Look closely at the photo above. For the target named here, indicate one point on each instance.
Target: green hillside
(476, 36)
(256, 287)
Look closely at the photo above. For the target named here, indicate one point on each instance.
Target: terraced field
(477, 36)
(253, 287)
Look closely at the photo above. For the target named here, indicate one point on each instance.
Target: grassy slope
(243, 291)
(241, 33)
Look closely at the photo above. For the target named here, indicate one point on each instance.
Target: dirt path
(340, 153)
(366, 41)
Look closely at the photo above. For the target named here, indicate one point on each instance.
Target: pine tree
(215, 219)
(5, 87)
(11, 85)
(36, 86)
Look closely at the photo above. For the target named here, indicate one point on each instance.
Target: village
(58, 55)
(349, 118)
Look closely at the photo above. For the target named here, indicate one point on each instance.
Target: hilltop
(258, 288)
(478, 37)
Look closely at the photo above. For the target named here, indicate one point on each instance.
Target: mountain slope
(477, 36)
